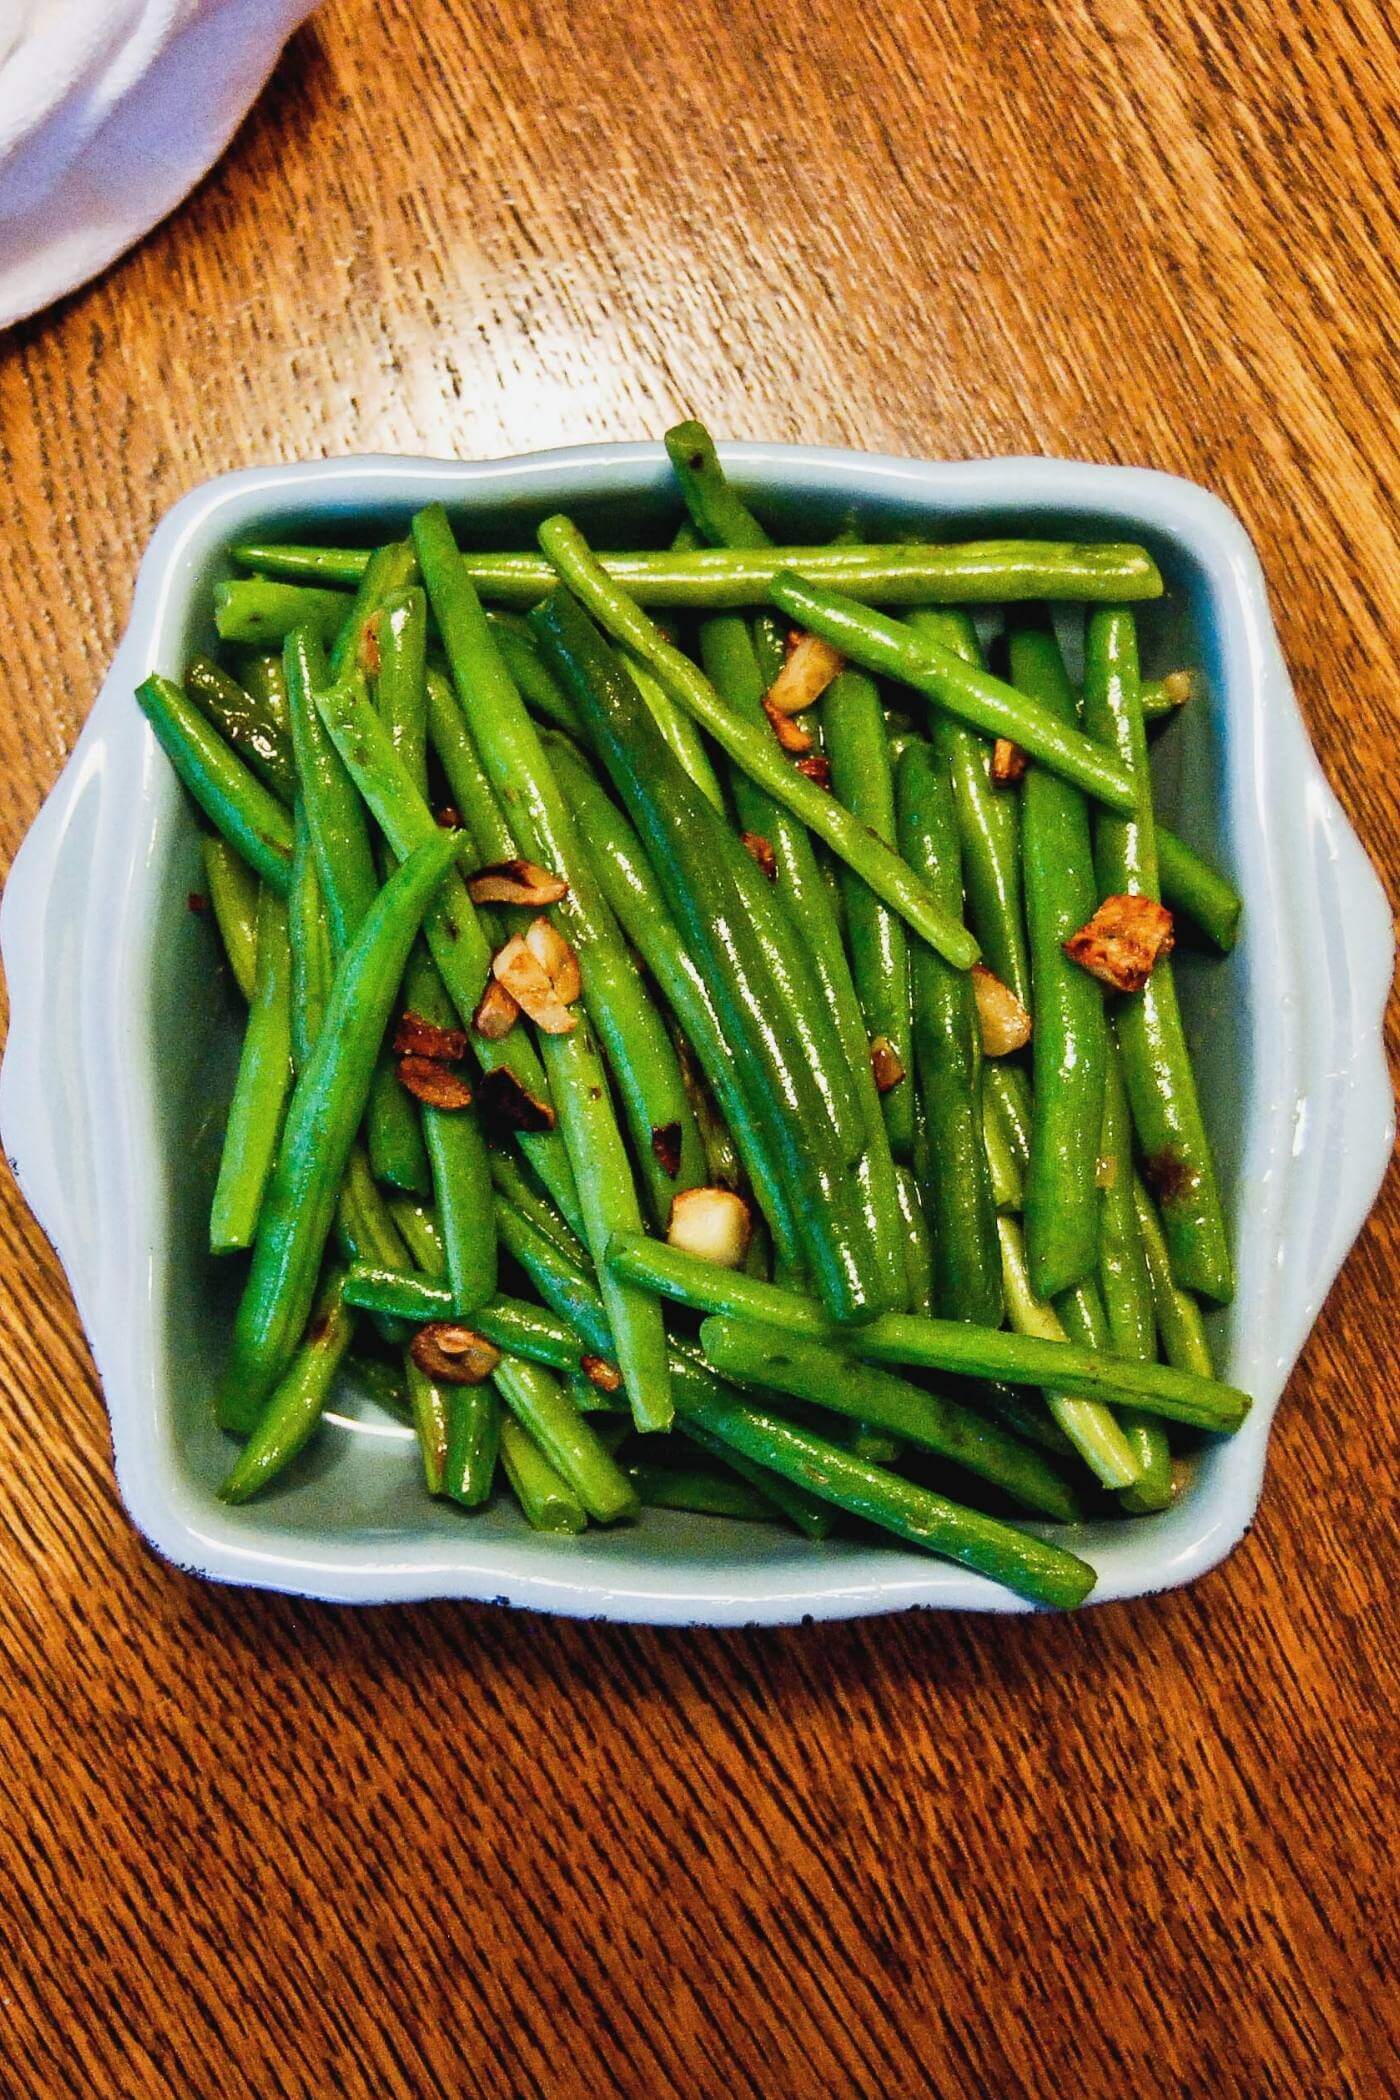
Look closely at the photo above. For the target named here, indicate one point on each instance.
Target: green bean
(806, 1512)
(704, 1287)
(383, 1204)
(1164, 697)
(1009, 1090)
(400, 1293)
(935, 1345)
(397, 1152)
(1030, 1566)
(298, 1401)
(1127, 1293)
(720, 517)
(890, 648)
(309, 932)
(1179, 1324)
(706, 1491)
(1069, 1043)
(718, 513)
(1123, 1277)
(377, 1381)
(1156, 1062)
(233, 893)
(769, 646)
(863, 1441)
(528, 1330)
(473, 1444)
(682, 736)
(564, 1287)
(245, 724)
(1025, 1416)
(422, 1234)
(616, 1003)
(365, 1232)
(827, 1377)
(260, 1093)
(754, 752)
(364, 1220)
(790, 916)
(538, 687)
(989, 823)
(429, 1407)
(718, 579)
(724, 1166)
(260, 611)
(590, 1399)
(1191, 885)
(458, 945)
(345, 868)
(327, 1104)
(947, 1050)
(1003, 1166)
(546, 1502)
(625, 873)
(337, 568)
(1091, 1426)
(540, 1404)
(695, 857)
(400, 684)
(234, 800)
(510, 1179)
(758, 1257)
(1084, 1316)
(263, 679)
(853, 729)
(1155, 1487)
(918, 1242)
(388, 572)
(335, 817)
(458, 1163)
(468, 783)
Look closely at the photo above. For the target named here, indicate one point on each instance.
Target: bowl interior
(354, 1496)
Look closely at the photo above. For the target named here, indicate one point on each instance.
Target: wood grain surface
(250, 1847)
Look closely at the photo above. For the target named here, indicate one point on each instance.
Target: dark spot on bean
(666, 1144)
(1170, 1178)
(504, 1103)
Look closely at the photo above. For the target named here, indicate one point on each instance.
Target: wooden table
(254, 1847)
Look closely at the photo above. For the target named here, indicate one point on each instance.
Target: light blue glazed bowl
(121, 1046)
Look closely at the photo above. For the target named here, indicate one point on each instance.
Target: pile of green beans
(973, 1294)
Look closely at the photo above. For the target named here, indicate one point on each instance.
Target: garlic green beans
(661, 1100)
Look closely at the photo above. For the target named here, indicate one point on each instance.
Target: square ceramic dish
(121, 1048)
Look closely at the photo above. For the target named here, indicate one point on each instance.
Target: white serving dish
(120, 1055)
